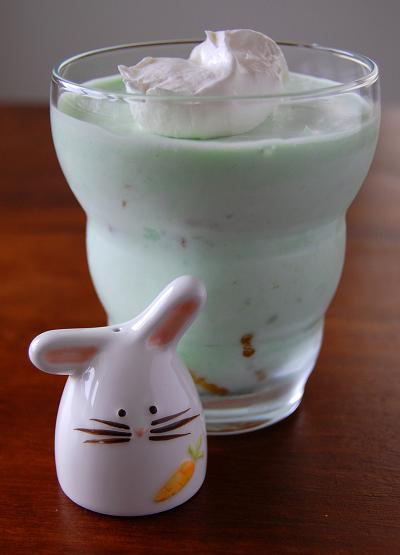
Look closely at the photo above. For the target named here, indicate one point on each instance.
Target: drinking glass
(259, 217)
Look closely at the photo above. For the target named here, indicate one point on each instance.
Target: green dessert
(259, 217)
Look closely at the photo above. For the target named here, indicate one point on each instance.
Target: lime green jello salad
(247, 191)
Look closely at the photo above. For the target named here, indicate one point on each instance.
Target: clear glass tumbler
(259, 217)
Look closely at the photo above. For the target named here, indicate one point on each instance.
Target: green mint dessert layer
(259, 217)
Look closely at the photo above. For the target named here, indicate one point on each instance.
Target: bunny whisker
(109, 423)
(167, 418)
(110, 440)
(167, 438)
(103, 432)
(174, 425)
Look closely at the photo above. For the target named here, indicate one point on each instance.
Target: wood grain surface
(325, 481)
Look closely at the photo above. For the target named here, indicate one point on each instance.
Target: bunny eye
(153, 409)
(122, 412)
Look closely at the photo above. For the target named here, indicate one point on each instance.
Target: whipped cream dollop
(232, 63)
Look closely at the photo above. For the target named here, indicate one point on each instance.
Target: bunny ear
(171, 313)
(65, 351)
(174, 323)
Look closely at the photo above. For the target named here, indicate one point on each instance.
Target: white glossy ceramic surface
(130, 433)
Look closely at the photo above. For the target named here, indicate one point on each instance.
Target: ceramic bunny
(130, 433)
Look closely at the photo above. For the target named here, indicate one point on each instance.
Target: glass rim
(365, 81)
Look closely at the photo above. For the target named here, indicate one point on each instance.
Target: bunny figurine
(130, 434)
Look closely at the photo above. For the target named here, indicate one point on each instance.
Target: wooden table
(325, 481)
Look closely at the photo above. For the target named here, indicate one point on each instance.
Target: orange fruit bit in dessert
(248, 349)
(210, 387)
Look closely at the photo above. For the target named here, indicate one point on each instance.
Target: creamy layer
(338, 113)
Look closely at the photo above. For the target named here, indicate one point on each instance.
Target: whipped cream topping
(227, 64)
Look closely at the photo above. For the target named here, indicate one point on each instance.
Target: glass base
(290, 361)
(281, 395)
(247, 419)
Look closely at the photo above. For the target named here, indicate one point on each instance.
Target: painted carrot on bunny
(130, 433)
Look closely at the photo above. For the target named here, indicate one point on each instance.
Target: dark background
(35, 35)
